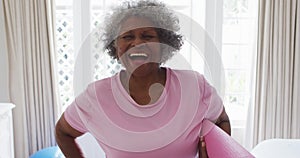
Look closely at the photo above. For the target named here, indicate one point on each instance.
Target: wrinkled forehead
(136, 22)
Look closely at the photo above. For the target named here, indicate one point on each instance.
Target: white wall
(4, 95)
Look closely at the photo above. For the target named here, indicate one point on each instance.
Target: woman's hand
(202, 148)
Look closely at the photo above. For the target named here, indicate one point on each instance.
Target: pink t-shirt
(168, 128)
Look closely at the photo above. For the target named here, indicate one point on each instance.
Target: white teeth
(138, 55)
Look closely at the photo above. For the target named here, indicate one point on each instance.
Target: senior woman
(145, 110)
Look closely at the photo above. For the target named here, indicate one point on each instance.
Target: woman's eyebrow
(125, 32)
(150, 30)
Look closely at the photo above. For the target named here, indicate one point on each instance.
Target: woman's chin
(142, 69)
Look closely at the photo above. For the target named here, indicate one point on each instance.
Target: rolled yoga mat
(220, 145)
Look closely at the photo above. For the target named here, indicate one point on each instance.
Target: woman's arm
(65, 137)
(223, 122)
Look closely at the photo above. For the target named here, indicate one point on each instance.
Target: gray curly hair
(165, 21)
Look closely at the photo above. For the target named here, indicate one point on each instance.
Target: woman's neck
(144, 89)
(130, 80)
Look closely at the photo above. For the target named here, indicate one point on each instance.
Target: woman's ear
(114, 44)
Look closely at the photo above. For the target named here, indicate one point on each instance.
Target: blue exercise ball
(50, 152)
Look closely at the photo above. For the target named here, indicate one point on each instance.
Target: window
(229, 23)
(238, 48)
(65, 50)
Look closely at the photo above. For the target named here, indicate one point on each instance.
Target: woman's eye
(127, 37)
(148, 37)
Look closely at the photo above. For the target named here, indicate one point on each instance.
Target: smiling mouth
(138, 56)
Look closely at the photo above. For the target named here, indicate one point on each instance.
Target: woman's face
(138, 46)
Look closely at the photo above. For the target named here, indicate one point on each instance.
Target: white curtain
(276, 106)
(30, 41)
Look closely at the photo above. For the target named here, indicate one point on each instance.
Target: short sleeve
(73, 111)
(212, 100)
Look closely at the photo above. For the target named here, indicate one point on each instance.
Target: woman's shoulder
(102, 82)
(189, 77)
(91, 91)
(102, 85)
(186, 73)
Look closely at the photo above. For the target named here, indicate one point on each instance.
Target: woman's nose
(137, 41)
